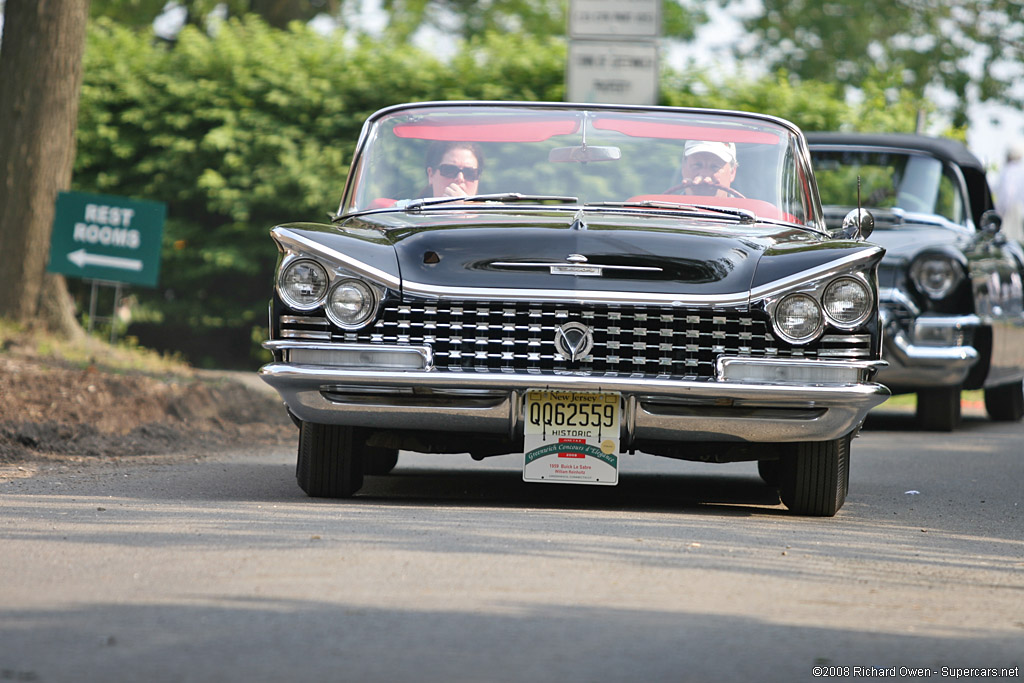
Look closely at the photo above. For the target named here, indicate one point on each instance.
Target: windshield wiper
(413, 204)
(743, 215)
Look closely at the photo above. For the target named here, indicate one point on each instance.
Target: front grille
(656, 341)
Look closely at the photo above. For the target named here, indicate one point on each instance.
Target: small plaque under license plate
(572, 437)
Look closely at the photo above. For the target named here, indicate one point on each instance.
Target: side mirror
(857, 225)
(991, 222)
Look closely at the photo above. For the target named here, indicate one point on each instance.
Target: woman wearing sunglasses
(453, 169)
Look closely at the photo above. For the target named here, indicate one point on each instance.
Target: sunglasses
(453, 171)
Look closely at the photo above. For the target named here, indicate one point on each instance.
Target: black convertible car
(950, 282)
(578, 283)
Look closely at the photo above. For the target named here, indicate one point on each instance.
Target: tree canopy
(973, 49)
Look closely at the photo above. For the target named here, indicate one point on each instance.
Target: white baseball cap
(726, 151)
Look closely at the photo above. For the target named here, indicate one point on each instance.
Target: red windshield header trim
(471, 129)
(676, 131)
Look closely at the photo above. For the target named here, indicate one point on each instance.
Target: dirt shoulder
(56, 408)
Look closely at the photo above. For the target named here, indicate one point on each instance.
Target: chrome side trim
(292, 241)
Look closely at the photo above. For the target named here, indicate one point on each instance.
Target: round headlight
(935, 275)
(847, 301)
(303, 284)
(798, 318)
(351, 303)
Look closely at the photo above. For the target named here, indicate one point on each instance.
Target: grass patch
(19, 341)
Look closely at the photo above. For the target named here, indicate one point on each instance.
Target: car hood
(908, 240)
(448, 252)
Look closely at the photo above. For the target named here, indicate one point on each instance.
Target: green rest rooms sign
(104, 237)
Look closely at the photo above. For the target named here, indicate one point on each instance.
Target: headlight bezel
(815, 291)
(288, 297)
(860, 319)
(373, 293)
(779, 311)
(368, 311)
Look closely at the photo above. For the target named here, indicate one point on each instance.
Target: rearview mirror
(584, 154)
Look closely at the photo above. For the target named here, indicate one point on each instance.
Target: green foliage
(140, 14)
(970, 48)
(235, 132)
(255, 126)
(810, 105)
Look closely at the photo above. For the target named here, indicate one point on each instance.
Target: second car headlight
(847, 301)
(798, 318)
(936, 275)
(351, 303)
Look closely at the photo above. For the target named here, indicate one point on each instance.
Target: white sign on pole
(612, 72)
(615, 19)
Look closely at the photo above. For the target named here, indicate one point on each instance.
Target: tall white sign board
(613, 51)
(613, 72)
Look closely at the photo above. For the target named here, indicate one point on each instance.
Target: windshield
(889, 179)
(680, 159)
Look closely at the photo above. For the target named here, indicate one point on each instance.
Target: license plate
(571, 437)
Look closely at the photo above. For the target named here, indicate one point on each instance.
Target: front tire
(1005, 403)
(329, 463)
(938, 410)
(816, 477)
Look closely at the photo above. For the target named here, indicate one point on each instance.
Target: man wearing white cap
(708, 169)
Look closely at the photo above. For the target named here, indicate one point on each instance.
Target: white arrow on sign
(82, 258)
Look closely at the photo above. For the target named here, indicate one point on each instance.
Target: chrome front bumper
(929, 351)
(751, 400)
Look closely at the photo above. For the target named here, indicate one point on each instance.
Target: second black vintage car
(950, 283)
(577, 283)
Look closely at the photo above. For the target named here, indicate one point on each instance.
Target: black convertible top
(943, 148)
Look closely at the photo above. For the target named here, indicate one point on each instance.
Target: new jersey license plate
(572, 437)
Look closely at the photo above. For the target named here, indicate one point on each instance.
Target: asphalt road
(449, 570)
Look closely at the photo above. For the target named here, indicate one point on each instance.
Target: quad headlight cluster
(845, 302)
(349, 302)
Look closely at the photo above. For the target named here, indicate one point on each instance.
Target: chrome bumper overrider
(932, 351)
(760, 406)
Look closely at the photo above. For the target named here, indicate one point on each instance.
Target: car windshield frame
(608, 157)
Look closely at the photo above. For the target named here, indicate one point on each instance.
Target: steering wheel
(675, 189)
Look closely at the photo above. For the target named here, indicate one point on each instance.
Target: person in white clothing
(1010, 193)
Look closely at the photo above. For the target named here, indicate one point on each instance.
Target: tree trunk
(40, 80)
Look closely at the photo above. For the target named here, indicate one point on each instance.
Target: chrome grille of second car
(628, 340)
